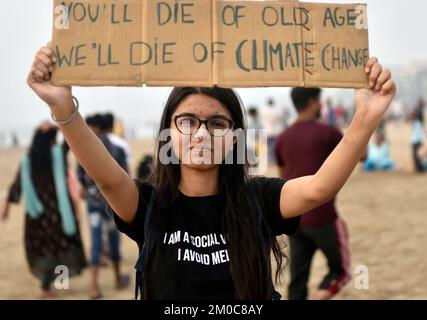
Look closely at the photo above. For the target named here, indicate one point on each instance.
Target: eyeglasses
(217, 126)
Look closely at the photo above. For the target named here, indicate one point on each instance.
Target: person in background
(254, 121)
(107, 124)
(52, 235)
(99, 220)
(340, 115)
(300, 151)
(272, 120)
(379, 154)
(422, 153)
(287, 116)
(145, 168)
(417, 138)
(419, 109)
(15, 140)
(331, 115)
(253, 136)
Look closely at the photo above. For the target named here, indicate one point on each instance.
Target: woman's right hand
(39, 79)
(115, 184)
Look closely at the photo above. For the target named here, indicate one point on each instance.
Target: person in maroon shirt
(300, 151)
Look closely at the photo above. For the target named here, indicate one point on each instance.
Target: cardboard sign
(209, 42)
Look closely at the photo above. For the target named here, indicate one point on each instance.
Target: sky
(396, 30)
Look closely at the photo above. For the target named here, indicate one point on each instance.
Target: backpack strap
(147, 245)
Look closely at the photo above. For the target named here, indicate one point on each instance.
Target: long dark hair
(249, 254)
(40, 149)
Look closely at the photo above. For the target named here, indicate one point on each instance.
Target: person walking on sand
(301, 151)
(100, 222)
(52, 236)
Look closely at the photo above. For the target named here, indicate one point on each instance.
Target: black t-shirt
(190, 258)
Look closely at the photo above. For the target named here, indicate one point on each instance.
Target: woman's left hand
(373, 103)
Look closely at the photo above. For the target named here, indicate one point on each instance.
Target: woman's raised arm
(114, 183)
(304, 194)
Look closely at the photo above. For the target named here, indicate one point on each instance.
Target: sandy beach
(386, 214)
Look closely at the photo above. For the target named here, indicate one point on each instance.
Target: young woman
(209, 244)
(52, 236)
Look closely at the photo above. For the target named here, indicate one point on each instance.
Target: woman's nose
(202, 133)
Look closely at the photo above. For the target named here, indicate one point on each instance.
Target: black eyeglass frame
(205, 122)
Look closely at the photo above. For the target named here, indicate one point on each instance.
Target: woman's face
(195, 146)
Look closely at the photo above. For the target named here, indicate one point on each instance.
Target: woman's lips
(204, 149)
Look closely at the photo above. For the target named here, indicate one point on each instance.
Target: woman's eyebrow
(186, 114)
(194, 115)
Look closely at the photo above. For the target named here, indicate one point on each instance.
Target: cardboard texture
(258, 53)
(94, 50)
(335, 51)
(209, 42)
(183, 32)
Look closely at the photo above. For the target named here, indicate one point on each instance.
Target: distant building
(411, 83)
